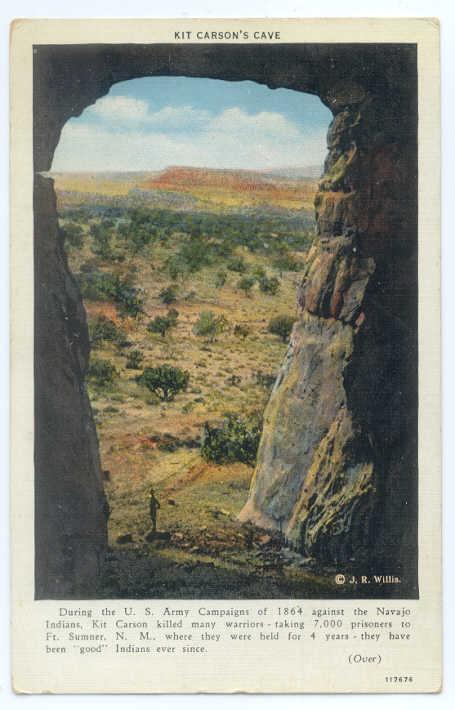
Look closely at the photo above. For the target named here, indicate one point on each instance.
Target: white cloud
(86, 147)
(120, 108)
(128, 111)
(182, 117)
(131, 136)
(266, 122)
(131, 112)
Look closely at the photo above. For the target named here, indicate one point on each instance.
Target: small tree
(165, 381)
(246, 283)
(161, 324)
(169, 294)
(128, 297)
(209, 326)
(269, 285)
(281, 326)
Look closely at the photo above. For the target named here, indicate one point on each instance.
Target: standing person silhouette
(154, 505)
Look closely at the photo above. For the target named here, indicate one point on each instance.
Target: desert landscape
(189, 281)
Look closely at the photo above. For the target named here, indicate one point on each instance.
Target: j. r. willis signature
(367, 579)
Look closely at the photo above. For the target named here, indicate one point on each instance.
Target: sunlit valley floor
(148, 274)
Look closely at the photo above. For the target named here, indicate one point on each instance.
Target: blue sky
(151, 123)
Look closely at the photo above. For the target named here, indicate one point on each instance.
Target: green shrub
(140, 231)
(102, 286)
(235, 440)
(96, 285)
(300, 241)
(195, 254)
(169, 294)
(101, 372)
(168, 442)
(139, 239)
(282, 326)
(102, 234)
(72, 234)
(128, 298)
(103, 329)
(246, 283)
(161, 324)
(258, 272)
(269, 285)
(165, 381)
(237, 264)
(89, 266)
(286, 262)
(134, 360)
(177, 268)
(209, 326)
(222, 248)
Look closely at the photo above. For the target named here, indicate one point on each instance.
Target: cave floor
(202, 551)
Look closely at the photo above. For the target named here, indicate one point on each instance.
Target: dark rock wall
(337, 461)
(70, 522)
(337, 465)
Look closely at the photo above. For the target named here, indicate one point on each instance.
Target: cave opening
(186, 210)
(357, 301)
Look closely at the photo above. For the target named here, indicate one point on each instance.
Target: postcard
(225, 371)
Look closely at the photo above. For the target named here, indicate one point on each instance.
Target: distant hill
(234, 188)
(99, 183)
(183, 187)
(190, 178)
(308, 172)
(185, 176)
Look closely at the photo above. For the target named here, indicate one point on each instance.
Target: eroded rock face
(314, 476)
(307, 398)
(70, 504)
(337, 464)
